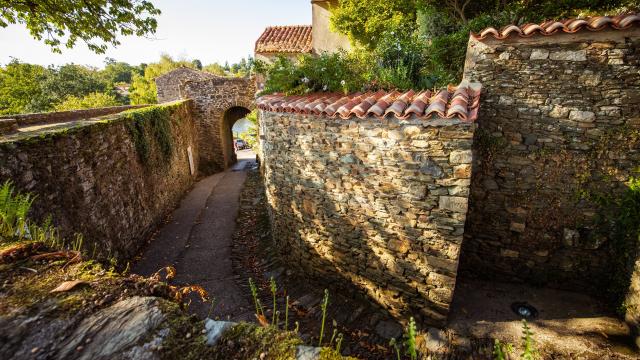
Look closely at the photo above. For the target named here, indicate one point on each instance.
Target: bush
(91, 101)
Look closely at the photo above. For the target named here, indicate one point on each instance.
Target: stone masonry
(559, 122)
(375, 204)
(218, 103)
(90, 179)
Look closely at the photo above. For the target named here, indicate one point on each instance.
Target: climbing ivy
(620, 219)
(151, 123)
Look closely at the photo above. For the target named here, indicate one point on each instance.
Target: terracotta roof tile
(285, 39)
(570, 26)
(460, 101)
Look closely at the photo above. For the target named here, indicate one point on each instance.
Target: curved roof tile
(570, 26)
(285, 39)
(460, 101)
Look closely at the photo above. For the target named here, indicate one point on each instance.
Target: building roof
(285, 39)
(462, 101)
(595, 23)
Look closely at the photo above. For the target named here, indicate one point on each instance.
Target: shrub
(91, 101)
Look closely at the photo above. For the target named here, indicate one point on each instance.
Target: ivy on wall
(149, 126)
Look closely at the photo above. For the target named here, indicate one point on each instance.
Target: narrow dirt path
(197, 241)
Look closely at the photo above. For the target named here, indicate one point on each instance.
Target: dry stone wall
(91, 179)
(379, 205)
(559, 123)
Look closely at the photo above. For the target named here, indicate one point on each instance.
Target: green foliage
(256, 300)
(143, 88)
(323, 306)
(120, 72)
(14, 208)
(20, 86)
(394, 344)
(153, 122)
(215, 69)
(93, 100)
(274, 288)
(365, 21)
(501, 350)
(620, 221)
(422, 44)
(96, 22)
(529, 351)
(410, 340)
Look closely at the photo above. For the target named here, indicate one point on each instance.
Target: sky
(208, 30)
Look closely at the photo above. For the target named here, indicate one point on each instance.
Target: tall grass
(14, 207)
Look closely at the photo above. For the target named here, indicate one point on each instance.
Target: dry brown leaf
(262, 320)
(68, 285)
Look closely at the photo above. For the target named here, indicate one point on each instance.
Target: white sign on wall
(190, 153)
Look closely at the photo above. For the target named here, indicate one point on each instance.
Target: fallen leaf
(262, 320)
(68, 285)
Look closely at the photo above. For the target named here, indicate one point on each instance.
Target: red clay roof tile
(570, 26)
(285, 39)
(460, 101)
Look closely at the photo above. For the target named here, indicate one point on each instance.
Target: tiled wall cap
(570, 26)
(460, 101)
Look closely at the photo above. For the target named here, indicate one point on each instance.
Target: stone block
(453, 203)
(582, 116)
(461, 157)
(569, 55)
(539, 54)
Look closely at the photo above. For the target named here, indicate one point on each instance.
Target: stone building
(218, 102)
(291, 41)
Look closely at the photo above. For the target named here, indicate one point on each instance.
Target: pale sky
(211, 31)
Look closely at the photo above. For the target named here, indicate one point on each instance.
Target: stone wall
(559, 123)
(378, 205)
(168, 85)
(22, 120)
(92, 180)
(218, 103)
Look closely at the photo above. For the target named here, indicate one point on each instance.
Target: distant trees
(98, 23)
(28, 88)
(90, 101)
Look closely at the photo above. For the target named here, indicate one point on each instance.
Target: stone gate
(218, 102)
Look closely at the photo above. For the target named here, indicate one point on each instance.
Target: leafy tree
(93, 100)
(19, 86)
(215, 69)
(119, 72)
(96, 22)
(197, 64)
(143, 88)
(364, 21)
(66, 80)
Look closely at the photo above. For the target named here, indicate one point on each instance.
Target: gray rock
(430, 167)
(539, 54)
(579, 55)
(114, 330)
(307, 353)
(215, 329)
(435, 340)
(388, 329)
(582, 116)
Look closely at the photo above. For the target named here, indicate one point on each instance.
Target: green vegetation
(14, 208)
(619, 221)
(419, 44)
(529, 351)
(96, 22)
(91, 101)
(151, 123)
(410, 340)
(323, 306)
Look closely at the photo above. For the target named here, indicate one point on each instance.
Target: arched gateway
(218, 103)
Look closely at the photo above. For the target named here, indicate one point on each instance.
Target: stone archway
(217, 103)
(231, 115)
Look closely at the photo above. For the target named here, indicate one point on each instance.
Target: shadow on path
(197, 241)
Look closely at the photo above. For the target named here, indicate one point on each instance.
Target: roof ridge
(569, 25)
(461, 101)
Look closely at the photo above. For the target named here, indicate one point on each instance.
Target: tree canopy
(98, 23)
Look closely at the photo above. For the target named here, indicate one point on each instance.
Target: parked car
(240, 144)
